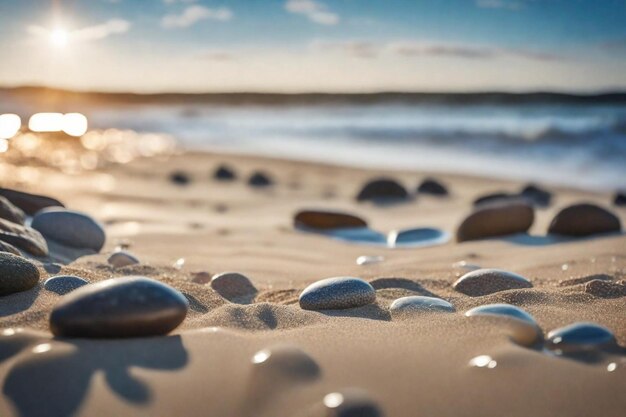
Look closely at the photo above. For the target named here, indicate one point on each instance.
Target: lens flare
(10, 124)
(74, 124)
(59, 37)
(46, 122)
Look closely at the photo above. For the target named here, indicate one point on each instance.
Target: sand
(412, 367)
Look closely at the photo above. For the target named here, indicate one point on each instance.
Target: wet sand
(411, 367)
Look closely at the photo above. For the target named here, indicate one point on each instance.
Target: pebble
(496, 219)
(351, 402)
(422, 236)
(433, 187)
(417, 304)
(368, 260)
(524, 328)
(324, 220)
(122, 258)
(260, 179)
(605, 289)
(64, 284)
(284, 362)
(584, 220)
(180, 178)
(488, 281)
(17, 274)
(536, 195)
(232, 285)
(580, 337)
(70, 228)
(10, 212)
(337, 293)
(5, 247)
(23, 237)
(382, 189)
(29, 203)
(498, 197)
(224, 173)
(119, 307)
(620, 198)
(201, 277)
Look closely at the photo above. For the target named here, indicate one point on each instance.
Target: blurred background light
(10, 124)
(46, 122)
(74, 124)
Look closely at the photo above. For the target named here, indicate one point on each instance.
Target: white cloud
(90, 33)
(356, 48)
(194, 14)
(315, 11)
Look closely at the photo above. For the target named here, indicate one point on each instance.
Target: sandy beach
(182, 234)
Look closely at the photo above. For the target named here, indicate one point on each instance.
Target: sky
(314, 45)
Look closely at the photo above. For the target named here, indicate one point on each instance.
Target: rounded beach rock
(584, 220)
(259, 179)
(284, 362)
(10, 212)
(23, 237)
(496, 219)
(488, 281)
(180, 178)
(620, 198)
(64, 284)
(523, 327)
(323, 219)
(580, 337)
(536, 195)
(119, 307)
(351, 402)
(6, 247)
(432, 187)
(121, 259)
(29, 203)
(70, 228)
(382, 189)
(16, 274)
(224, 173)
(337, 293)
(417, 304)
(232, 285)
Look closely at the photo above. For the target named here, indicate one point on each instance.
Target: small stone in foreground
(580, 337)
(10, 212)
(351, 402)
(119, 307)
(29, 203)
(6, 247)
(487, 281)
(417, 304)
(17, 274)
(122, 258)
(580, 220)
(605, 289)
(324, 219)
(260, 179)
(496, 219)
(64, 284)
(433, 187)
(232, 285)
(224, 173)
(337, 293)
(23, 237)
(382, 189)
(70, 228)
(524, 329)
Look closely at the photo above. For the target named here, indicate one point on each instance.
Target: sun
(59, 37)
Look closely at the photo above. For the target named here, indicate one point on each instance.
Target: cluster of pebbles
(225, 173)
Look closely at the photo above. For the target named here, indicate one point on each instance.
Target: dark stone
(488, 281)
(382, 189)
(523, 328)
(10, 212)
(536, 195)
(224, 173)
(70, 228)
(29, 203)
(260, 179)
(351, 402)
(499, 197)
(232, 285)
(620, 199)
(5, 247)
(337, 293)
(122, 258)
(17, 274)
(433, 187)
(416, 305)
(64, 284)
(496, 219)
(584, 220)
(605, 289)
(323, 219)
(119, 307)
(180, 178)
(23, 237)
(580, 337)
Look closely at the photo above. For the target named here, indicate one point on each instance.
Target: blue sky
(314, 45)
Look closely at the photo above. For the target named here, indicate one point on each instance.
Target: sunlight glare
(59, 37)
(10, 124)
(46, 122)
(74, 124)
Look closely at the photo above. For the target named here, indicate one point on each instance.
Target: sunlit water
(579, 145)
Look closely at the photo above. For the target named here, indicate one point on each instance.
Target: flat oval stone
(121, 259)
(119, 307)
(5, 247)
(605, 289)
(284, 362)
(536, 195)
(382, 189)
(29, 203)
(488, 281)
(10, 212)
(580, 337)
(524, 328)
(324, 220)
(64, 284)
(497, 219)
(351, 402)
(224, 173)
(417, 304)
(433, 187)
(70, 228)
(17, 274)
(584, 220)
(180, 178)
(260, 179)
(421, 236)
(337, 293)
(23, 237)
(232, 285)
